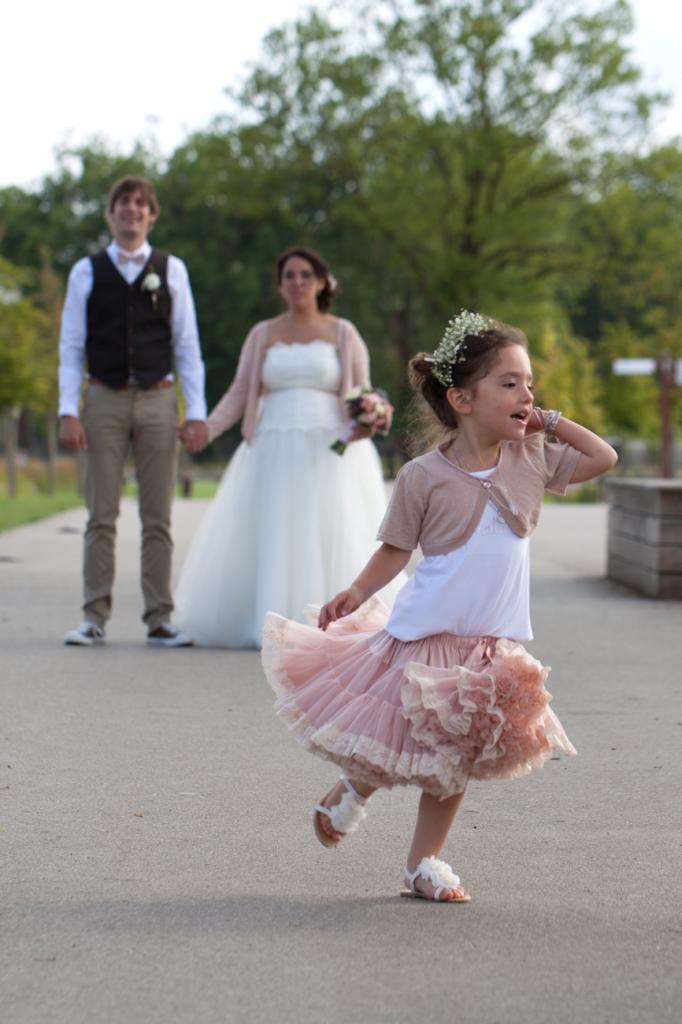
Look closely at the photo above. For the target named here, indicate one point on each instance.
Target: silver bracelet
(551, 419)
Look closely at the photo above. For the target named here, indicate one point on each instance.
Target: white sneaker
(87, 634)
(166, 635)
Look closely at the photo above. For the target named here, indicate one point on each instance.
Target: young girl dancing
(441, 690)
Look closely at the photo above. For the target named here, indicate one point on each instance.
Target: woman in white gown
(292, 521)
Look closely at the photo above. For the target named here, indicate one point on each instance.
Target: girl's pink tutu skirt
(433, 712)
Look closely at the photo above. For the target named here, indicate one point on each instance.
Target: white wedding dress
(292, 522)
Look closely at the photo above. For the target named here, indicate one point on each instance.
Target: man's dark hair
(133, 183)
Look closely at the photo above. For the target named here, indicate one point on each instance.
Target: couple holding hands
(291, 520)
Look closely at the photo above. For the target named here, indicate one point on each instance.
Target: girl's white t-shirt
(479, 589)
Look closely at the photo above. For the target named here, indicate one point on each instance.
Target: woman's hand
(344, 603)
(360, 432)
(194, 435)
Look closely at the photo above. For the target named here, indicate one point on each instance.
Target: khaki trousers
(115, 421)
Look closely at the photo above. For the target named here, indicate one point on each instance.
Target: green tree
(49, 295)
(566, 376)
(66, 214)
(22, 330)
(449, 154)
(437, 160)
(628, 302)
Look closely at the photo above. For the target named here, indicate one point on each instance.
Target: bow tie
(124, 257)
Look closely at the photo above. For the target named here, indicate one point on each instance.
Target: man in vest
(129, 316)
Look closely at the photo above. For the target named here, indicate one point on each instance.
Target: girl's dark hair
(321, 268)
(432, 415)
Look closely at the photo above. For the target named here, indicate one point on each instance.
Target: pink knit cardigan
(438, 505)
(240, 401)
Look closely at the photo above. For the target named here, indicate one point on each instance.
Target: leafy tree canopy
(481, 153)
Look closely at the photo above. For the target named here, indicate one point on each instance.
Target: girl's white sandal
(442, 878)
(345, 816)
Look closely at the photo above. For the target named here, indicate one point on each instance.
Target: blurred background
(518, 158)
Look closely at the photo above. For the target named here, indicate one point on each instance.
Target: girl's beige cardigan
(437, 505)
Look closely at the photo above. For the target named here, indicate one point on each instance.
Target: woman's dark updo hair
(322, 272)
(480, 352)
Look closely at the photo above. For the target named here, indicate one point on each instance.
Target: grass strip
(28, 508)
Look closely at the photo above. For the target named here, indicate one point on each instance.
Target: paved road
(159, 865)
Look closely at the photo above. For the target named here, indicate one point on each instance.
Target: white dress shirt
(184, 331)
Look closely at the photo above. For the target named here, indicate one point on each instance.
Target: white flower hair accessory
(452, 347)
(332, 283)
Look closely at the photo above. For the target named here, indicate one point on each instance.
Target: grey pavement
(158, 859)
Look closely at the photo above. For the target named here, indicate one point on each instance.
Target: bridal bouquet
(366, 408)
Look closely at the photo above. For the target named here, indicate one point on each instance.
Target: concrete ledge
(644, 581)
(648, 494)
(663, 558)
(645, 535)
(646, 528)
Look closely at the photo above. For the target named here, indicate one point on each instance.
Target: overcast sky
(72, 69)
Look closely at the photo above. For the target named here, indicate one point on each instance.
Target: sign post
(668, 370)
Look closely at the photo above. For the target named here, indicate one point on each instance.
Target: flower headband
(451, 348)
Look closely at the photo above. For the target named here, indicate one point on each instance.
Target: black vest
(129, 327)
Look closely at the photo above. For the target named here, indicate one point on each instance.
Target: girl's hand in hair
(535, 422)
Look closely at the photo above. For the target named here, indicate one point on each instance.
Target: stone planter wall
(645, 535)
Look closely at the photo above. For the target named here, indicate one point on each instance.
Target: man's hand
(194, 435)
(72, 433)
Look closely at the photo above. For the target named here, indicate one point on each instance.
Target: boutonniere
(151, 283)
